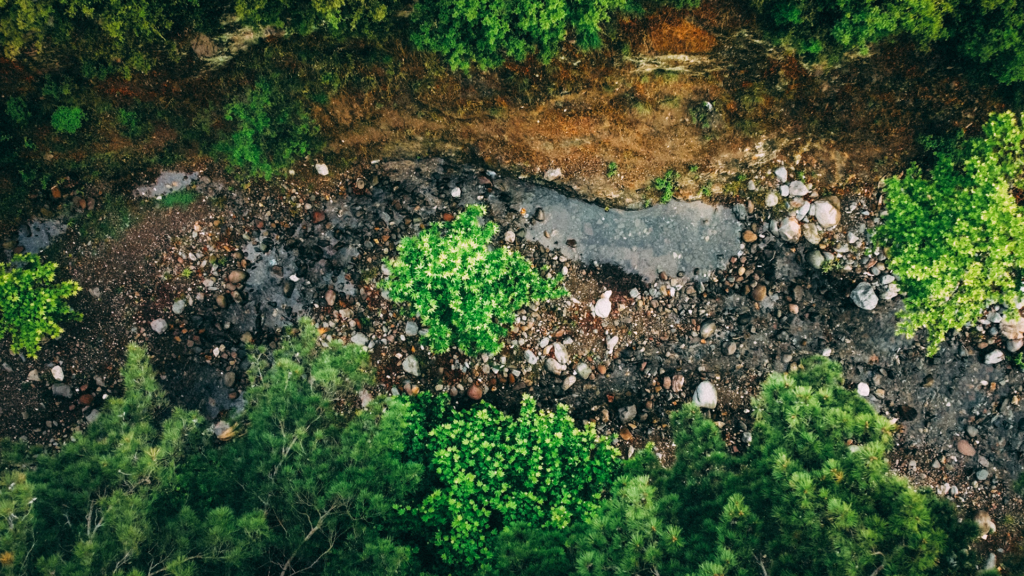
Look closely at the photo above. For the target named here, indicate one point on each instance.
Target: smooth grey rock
(730, 348)
(705, 396)
(1014, 345)
(798, 189)
(634, 293)
(981, 474)
(360, 339)
(864, 296)
(568, 382)
(627, 413)
(411, 329)
(561, 356)
(61, 390)
(58, 373)
(411, 365)
(583, 370)
(178, 307)
(158, 325)
(456, 192)
(531, 358)
(816, 259)
(510, 236)
(789, 229)
(994, 357)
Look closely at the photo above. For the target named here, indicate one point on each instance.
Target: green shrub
(815, 478)
(487, 470)
(462, 290)
(488, 32)
(67, 119)
(179, 198)
(271, 130)
(957, 237)
(665, 185)
(17, 110)
(341, 18)
(130, 125)
(31, 303)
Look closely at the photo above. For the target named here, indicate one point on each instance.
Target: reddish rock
(237, 276)
(475, 392)
(85, 399)
(964, 447)
(260, 224)
(55, 191)
(447, 217)
(319, 217)
(602, 369)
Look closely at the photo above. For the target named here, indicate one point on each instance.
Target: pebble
(411, 329)
(707, 329)
(229, 379)
(554, 366)
(510, 236)
(972, 431)
(330, 297)
(583, 370)
(603, 307)
(553, 174)
(237, 276)
(812, 233)
(826, 214)
(705, 396)
(178, 307)
(531, 358)
(360, 339)
(749, 236)
(475, 392)
(781, 173)
(982, 474)
(994, 357)
(627, 413)
(730, 348)
(816, 259)
(634, 293)
(561, 356)
(58, 373)
(568, 382)
(321, 169)
(602, 369)
(759, 293)
(798, 188)
(771, 200)
(789, 229)
(159, 325)
(863, 389)
(33, 376)
(61, 390)
(964, 447)
(411, 365)
(864, 296)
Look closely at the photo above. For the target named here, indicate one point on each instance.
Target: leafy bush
(271, 131)
(814, 479)
(31, 303)
(67, 119)
(17, 110)
(338, 17)
(488, 32)
(991, 32)
(666, 185)
(488, 470)
(462, 290)
(957, 238)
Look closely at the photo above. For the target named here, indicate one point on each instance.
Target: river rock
(677, 383)
(33, 376)
(510, 236)
(964, 447)
(1012, 329)
(798, 189)
(749, 236)
(781, 173)
(237, 276)
(531, 358)
(158, 325)
(759, 293)
(707, 329)
(360, 339)
(789, 229)
(864, 296)
(411, 365)
(58, 373)
(178, 307)
(321, 169)
(812, 233)
(603, 307)
(994, 357)
(583, 370)
(705, 396)
(330, 297)
(560, 353)
(475, 392)
(568, 382)
(553, 366)
(826, 214)
(816, 259)
(740, 211)
(221, 300)
(771, 200)
(229, 379)
(1014, 345)
(411, 329)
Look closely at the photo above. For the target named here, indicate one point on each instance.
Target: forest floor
(739, 110)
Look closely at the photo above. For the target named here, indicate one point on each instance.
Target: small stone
(812, 233)
(826, 214)
(229, 379)
(61, 390)
(561, 356)
(456, 192)
(972, 431)
(287, 287)
(789, 229)
(611, 343)
(568, 382)
(707, 329)
(816, 259)
(771, 200)
(539, 215)
(33, 376)
(781, 173)
(1015, 345)
(237, 277)
(92, 416)
(330, 297)
(510, 236)
(751, 186)
(178, 307)
(58, 373)
(553, 174)
(864, 296)
(982, 474)
(246, 338)
(411, 365)
(994, 357)
(602, 369)
(553, 366)
(798, 189)
(221, 300)
(360, 339)
(759, 293)
(677, 383)
(985, 524)
(583, 370)
(740, 211)
(603, 307)
(321, 169)
(627, 413)
(964, 447)
(158, 325)
(475, 392)
(95, 293)
(730, 349)
(864, 389)
(705, 396)
(531, 358)
(749, 236)
(411, 329)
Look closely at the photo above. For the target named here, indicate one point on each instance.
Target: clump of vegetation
(270, 131)
(486, 33)
(815, 478)
(17, 110)
(67, 119)
(462, 290)
(177, 199)
(611, 170)
(957, 237)
(665, 185)
(31, 302)
(487, 470)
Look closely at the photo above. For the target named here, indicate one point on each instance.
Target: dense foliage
(814, 479)
(31, 302)
(488, 32)
(487, 470)
(957, 236)
(462, 290)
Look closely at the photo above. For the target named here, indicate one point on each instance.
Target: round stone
(964, 447)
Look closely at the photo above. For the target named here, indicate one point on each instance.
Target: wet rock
(62, 390)
(771, 200)
(411, 365)
(603, 307)
(759, 293)
(583, 370)
(539, 215)
(159, 325)
(319, 217)
(627, 413)
(705, 396)
(864, 296)
(475, 392)
(321, 169)
(237, 276)
(330, 297)
(553, 174)
(178, 307)
(707, 329)
(826, 214)
(58, 373)
(994, 357)
(360, 339)
(964, 447)
(554, 366)
(789, 229)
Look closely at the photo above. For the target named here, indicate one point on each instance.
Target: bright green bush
(31, 303)
(813, 494)
(486, 33)
(487, 470)
(957, 237)
(270, 131)
(462, 290)
(67, 119)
